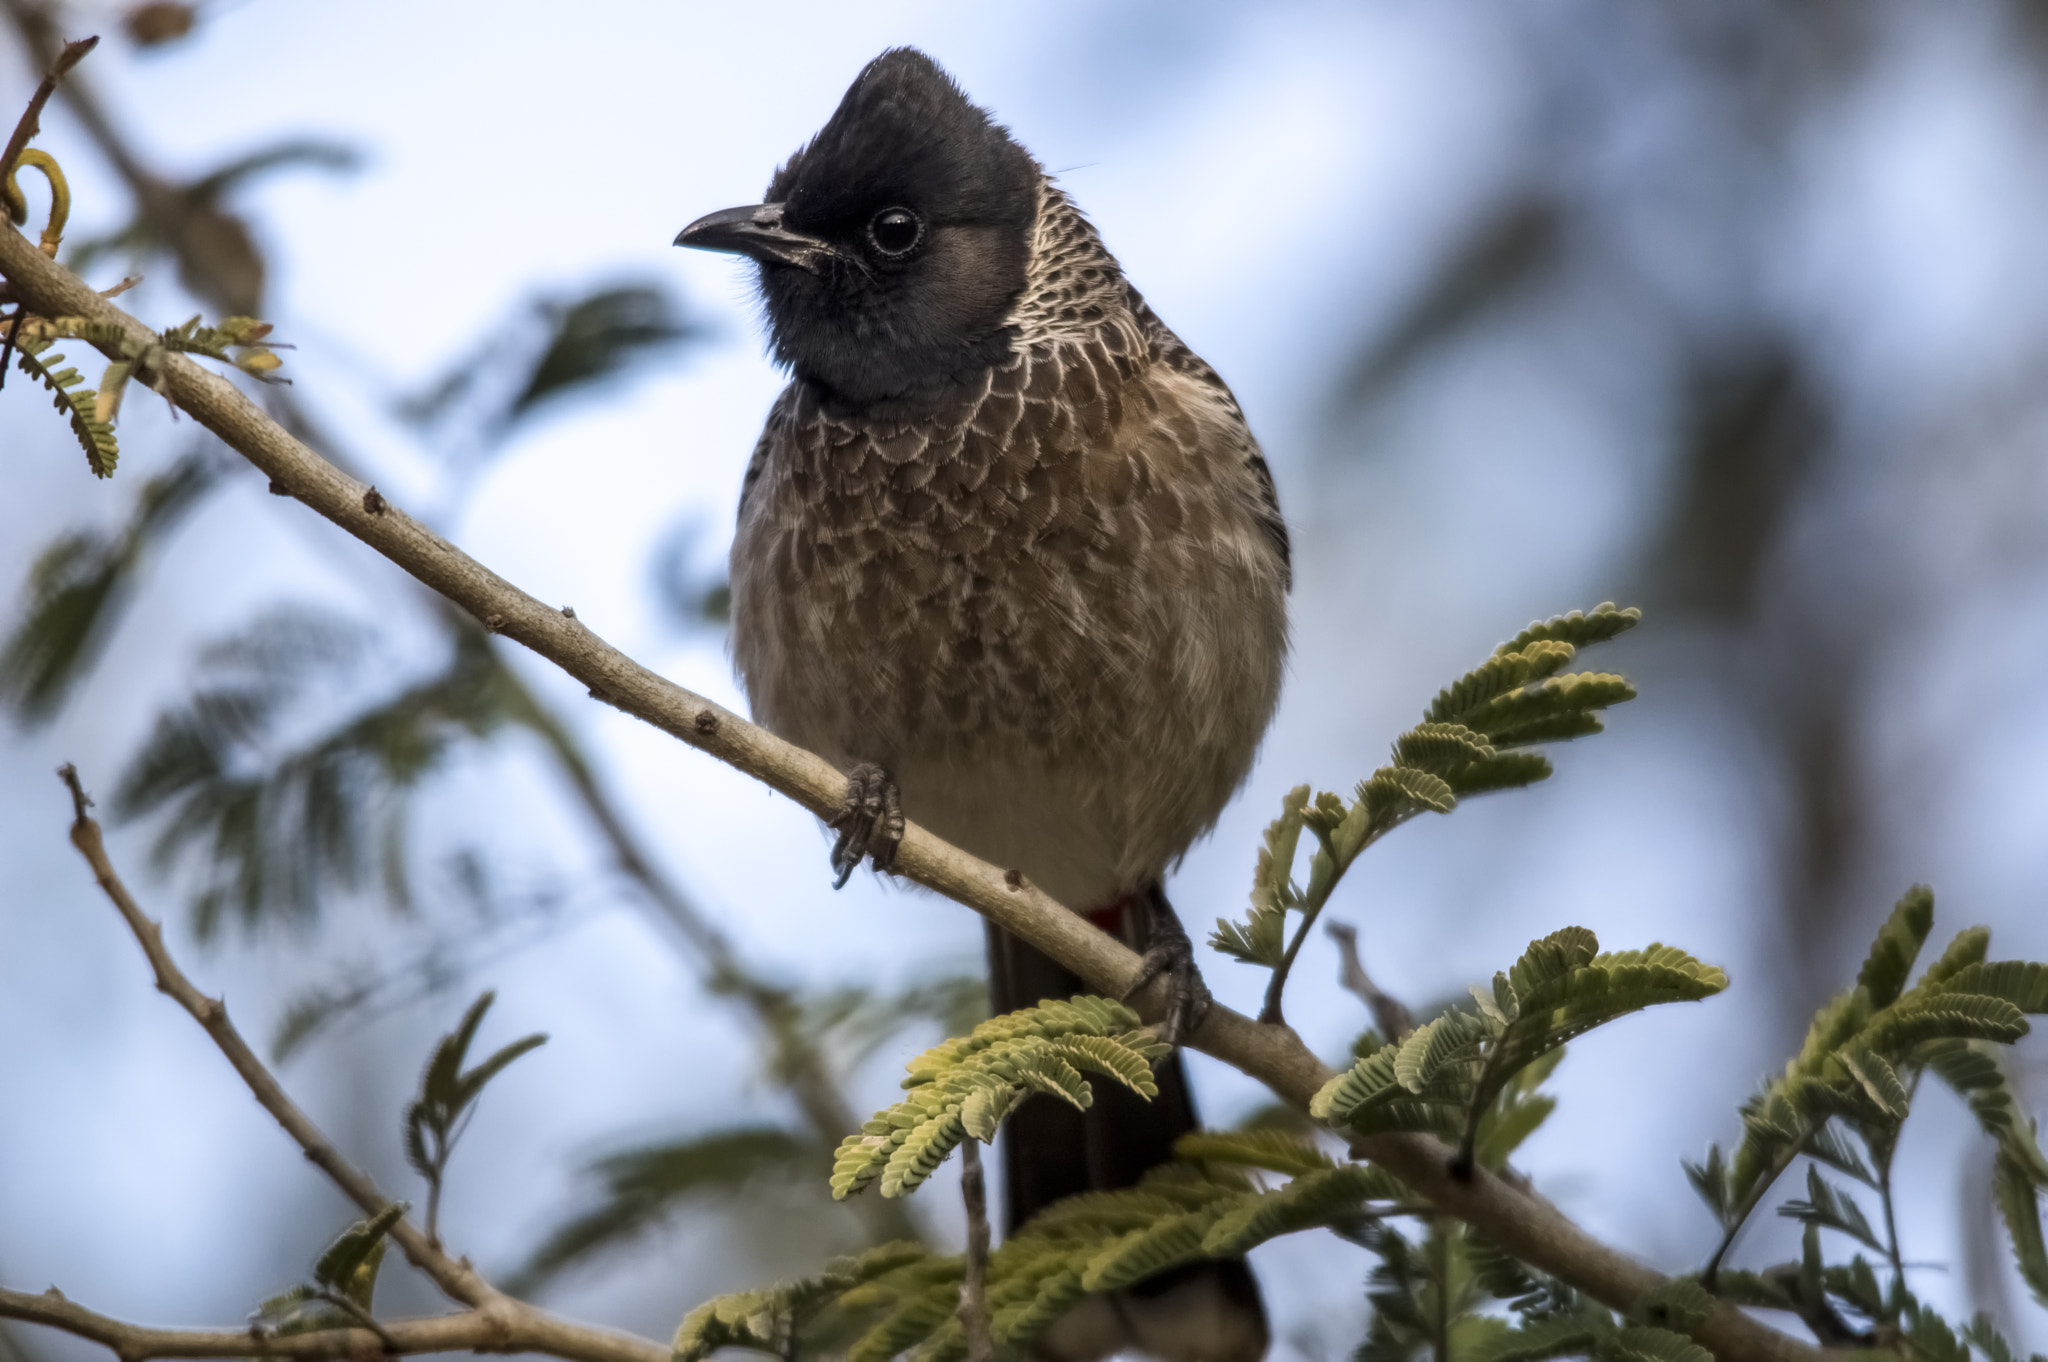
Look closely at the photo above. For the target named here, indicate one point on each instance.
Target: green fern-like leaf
(1366, 1083)
(1401, 789)
(909, 1324)
(1639, 1343)
(964, 1087)
(1831, 1210)
(1156, 1248)
(2018, 1196)
(1502, 674)
(1557, 1007)
(743, 1319)
(1508, 771)
(1325, 1197)
(79, 587)
(1441, 748)
(1453, 1038)
(1974, 1070)
(1555, 709)
(79, 403)
(1444, 1078)
(1276, 1151)
(1568, 1336)
(1578, 628)
(640, 1188)
(1898, 944)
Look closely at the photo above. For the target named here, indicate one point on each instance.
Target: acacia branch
(31, 119)
(484, 1331)
(494, 1322)
(1522, 1223)
(457, 1278)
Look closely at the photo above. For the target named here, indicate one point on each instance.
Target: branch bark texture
(1518, 1220)
(484, 1331)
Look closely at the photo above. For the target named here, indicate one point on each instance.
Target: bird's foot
(1172, 954)
(870, 822)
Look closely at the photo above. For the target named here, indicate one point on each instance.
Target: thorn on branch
(373, 502)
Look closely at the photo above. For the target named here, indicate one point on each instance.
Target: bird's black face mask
(893, 246)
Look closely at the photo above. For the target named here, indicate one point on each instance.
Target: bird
(1009, 555)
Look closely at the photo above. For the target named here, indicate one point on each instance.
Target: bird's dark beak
(756, 232)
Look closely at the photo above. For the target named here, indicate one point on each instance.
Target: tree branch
(1520, 1222)
(458, 1279)
(494, 1322)
(31, 118)
(482, 1331)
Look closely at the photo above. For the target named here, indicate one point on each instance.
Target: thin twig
(1312, 907)
(494, 1322)
(458, 1279)
(1389, 1015)
(363, 1318)
(1792, 1151)
(524, 1330)
(974, 1320)
(32, 117)
(1521, 1223)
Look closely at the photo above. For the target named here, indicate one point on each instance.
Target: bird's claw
(870, 822)
(1171, 954)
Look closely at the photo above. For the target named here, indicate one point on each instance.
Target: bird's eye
(895, 231)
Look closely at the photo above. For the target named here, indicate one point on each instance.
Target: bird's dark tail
(1204, 1312)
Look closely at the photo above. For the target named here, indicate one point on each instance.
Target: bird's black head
(893, 245)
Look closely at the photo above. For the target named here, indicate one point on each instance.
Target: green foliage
(343, 1288)
(435, 1119)
(559, 348)
(901, 1297)
(80, 404)
(2017, 1189)
(1841, 1102)
(780, 1319)
(271, 826)
(142, 237)
(78, 588)
(965, 1087)
(1864, 1056)
(1445, 1077)
(1470, 741)
(643, 1187)
(238, 341)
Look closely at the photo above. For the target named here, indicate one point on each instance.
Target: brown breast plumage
(1062, 584)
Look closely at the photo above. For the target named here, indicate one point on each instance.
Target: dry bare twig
(494, 1322)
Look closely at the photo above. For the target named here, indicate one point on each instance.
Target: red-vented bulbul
(1008, 554)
